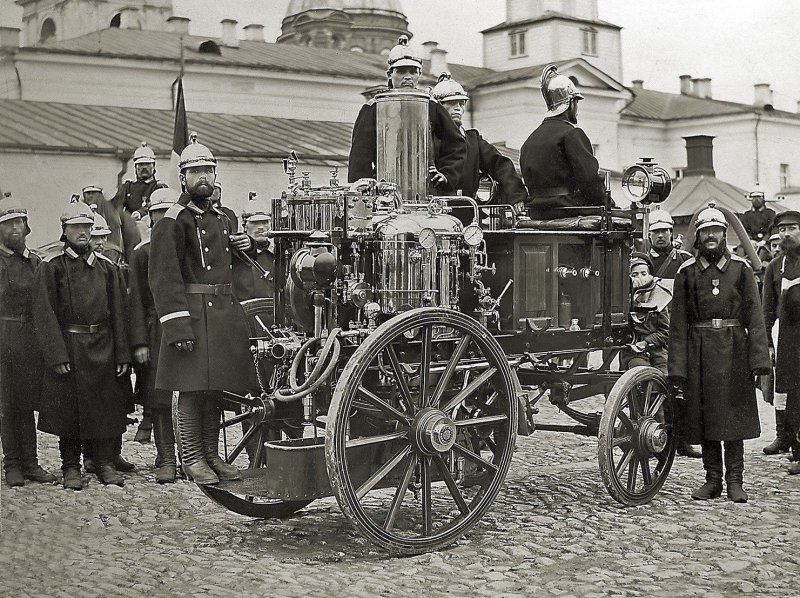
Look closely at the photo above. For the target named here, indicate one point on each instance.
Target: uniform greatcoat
(20, 359)
(191, 276)
(718, 364)
(75, 291)
(133, 196)
(666, 264)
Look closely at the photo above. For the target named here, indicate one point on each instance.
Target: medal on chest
(715, 284)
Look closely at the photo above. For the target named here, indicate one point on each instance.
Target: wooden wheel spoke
(401, 379)
(425, 357)
(378, 439)
(427, 507)
(455, 359)
(455, 492)
(621, 440)
(385, 407)
(469, 389)
(626, 421)
(382, 472)
(480, 421)
(635, 413)
(400, 493)
(236, 419)
(258, 458)
(633, 472)
(626, 459)
(657, 404)
(477, 459)
(647, 476)
(241, 444)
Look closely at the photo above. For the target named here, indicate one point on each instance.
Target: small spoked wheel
(638, 437)
(421, 430)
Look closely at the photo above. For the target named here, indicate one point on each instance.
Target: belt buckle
(716, 323)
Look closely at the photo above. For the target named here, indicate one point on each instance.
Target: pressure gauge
(427, 238)
(473, 235)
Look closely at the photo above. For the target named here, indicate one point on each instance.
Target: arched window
(48, 30)
(357, 50)
(209, 47)
(116, 21)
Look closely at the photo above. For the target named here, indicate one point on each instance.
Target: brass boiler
(307, 210)
(402, 144)
(407, 274)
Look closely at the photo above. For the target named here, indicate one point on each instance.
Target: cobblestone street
(554, 531)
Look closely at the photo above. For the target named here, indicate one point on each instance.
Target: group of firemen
(73, 325)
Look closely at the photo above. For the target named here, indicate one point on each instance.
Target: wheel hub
(653, 436)
(434, 431)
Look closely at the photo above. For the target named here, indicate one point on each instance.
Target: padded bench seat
(581, 223)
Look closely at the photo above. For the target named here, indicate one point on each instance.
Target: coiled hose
(321, 371)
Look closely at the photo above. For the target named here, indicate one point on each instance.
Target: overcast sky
(736, 43)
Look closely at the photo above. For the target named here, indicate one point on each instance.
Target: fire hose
(322, 370)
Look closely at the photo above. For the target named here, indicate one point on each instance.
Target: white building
(87, 81)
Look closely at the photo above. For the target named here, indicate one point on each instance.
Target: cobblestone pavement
(554, 531)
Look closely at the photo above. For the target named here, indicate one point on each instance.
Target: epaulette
(174, 210)
(52, 257)
(687, 263)
(736, 258)
(684, 253)
(102, 257)
(141, 244)
(371, 102)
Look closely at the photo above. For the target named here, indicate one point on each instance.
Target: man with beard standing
(21, 364)
(133, 196)
(782, 303)
(205, 343)
(757, 221)
(718, 344)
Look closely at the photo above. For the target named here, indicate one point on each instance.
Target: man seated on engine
(404, 72)
(557, 160)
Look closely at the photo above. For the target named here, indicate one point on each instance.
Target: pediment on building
(585, 75)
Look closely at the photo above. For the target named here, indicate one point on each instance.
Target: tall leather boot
(794, 436)
(104, 452)
(783, 437)
(684, 447)
(712, 463)
(88, 456)
(166, 465)
(12, 449)
(190, 431)
(31, 469)
(734, 470)
(70, 449)
(145, 428)
(120, 464)
(211, 414)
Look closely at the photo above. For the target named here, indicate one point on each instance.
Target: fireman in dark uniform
(21, 365)
(79, 314)
(557, 160)
(450, 148)
(145, 339)
(253, 283)
(718, 344)
(204, 343)
(781, 302)
(666, 257)
(482, 156)
(124, 232)
(757, 221)
(132, 196)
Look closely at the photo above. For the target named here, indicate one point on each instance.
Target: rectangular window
(786, 180)
(517, 39)
(589, 41)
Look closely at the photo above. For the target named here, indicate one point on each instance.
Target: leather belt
(84, 328)
(717, 323)
(209, 289)
(551, 192)
(21, 319)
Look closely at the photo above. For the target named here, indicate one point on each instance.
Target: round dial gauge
(473, 235)
(427, 238)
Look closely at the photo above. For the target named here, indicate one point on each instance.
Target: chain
(258, 375)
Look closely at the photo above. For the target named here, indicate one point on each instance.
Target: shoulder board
(686, 264)
(50, 258)
(371, 102)
(736, 258)
(100, 256)
(141, 244)
(683, 253)
(174, 210)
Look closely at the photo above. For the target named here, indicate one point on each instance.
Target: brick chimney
(179, 24)
(762, 95)
(254, 32)
(438, 61)
(229, 37)
(699, 155)
(9, 37)
(686, 85)
(637, 84)
(427, 47)
(702, 88)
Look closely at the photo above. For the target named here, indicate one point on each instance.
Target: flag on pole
(180, 137)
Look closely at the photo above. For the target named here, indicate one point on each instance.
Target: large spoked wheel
(638, 436)
(421, 430)
(242, 438)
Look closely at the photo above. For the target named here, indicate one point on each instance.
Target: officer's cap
(100, 227)
(257, 210)
(756, 194)
(91, 189)
(162, 199)
(660, 220)
(401, 55)
(788, 217)
(710, 217)
(448, 89)
(196, 154)
(144, 154)
(10, 208)
(77, 212)
(638, 258)
(774, 237)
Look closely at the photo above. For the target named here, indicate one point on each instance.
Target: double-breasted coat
(782, 302)
(80, 318)
(559, 168)
(20, 359)
(718, 360)
(666, 264)
(133, 196)
(191, 278)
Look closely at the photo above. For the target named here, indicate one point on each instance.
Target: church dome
(298, 6)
